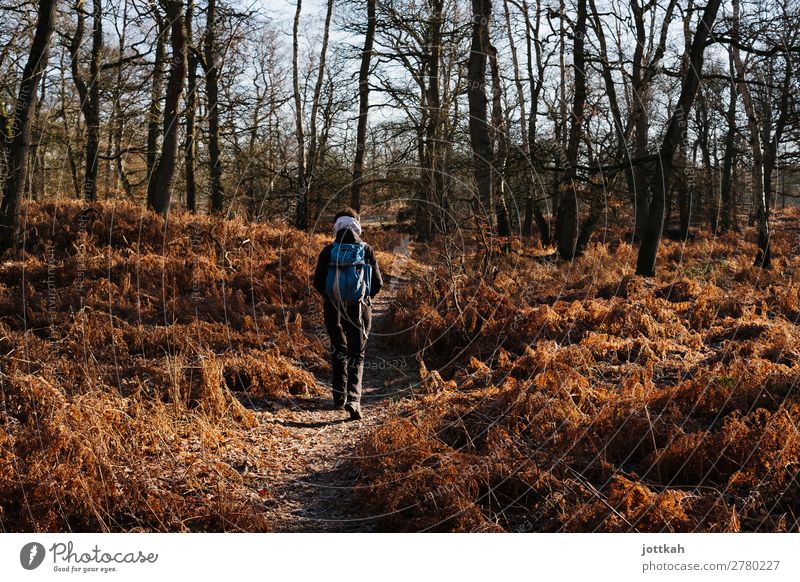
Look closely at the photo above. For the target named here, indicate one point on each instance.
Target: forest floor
(141, 391)
(312, 484)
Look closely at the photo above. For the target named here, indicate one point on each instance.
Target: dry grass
(121, 348)
(582, 398)
(574, 397)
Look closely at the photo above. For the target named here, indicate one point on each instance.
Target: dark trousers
(348, 331)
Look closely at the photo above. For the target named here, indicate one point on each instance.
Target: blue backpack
(349, 276)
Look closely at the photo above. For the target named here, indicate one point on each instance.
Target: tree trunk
(685, 187)
(118, 116)
(154, 115)
(727, 219)
(191, 111)
(433, 149)
(314, 148)
(646, 261)
(301, 197)
(642, 74)
(685, 203)
(212, 96)
(567, 215)
(759, 202)
(73, 166)
(89, 93)
(476, 94)
(500, 151)
(611, 89)
(559, 128)
(423, 215)
(165, 169)
(526, 150)
(771, 143)
(533, 209)
(16, 145)
(93, 106)
(639, 123)
(363, 107)
(36, 178)
(706, 184)
(587, 228)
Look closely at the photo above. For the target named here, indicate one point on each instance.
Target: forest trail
(311, 483)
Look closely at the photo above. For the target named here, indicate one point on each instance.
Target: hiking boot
(354, 408)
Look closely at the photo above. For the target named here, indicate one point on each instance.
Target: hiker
(348, 277)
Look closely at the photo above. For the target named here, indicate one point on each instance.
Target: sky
(281, 12)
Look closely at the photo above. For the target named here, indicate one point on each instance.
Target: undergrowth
(580, 397)
(132, 355)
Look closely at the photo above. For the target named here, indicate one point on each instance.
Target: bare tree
(165, 169)
(639, 119)
(528, 124)
(728, 211)
(71, 157)
(306, 159)
(191, 110)
(433, 171)
(301, 200)
(154, 119)
(363, 106)
(211, 64)
(314, 145)
(772, 133)
(646, 260)
(754, 127)
(89, 91)
(118, 113)
(16, 145)
(476, 92)
(500, 149)
(685, 187)
(567, 216)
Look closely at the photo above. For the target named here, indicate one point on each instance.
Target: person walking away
(348, 277)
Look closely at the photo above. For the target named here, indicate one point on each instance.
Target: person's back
(347, 276)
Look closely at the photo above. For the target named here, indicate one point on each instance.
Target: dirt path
(311, 482)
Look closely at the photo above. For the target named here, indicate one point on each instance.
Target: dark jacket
(346, 235)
